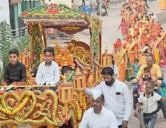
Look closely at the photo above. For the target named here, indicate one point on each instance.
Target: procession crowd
(144, 39)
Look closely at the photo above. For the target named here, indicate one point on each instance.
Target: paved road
(110, 34)
(161, 14)
(110, 31)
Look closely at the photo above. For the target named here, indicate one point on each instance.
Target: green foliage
(22, 43)
(6, 44)
(1, 75)
(5, 41)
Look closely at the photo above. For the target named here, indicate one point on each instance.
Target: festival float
(26, 104)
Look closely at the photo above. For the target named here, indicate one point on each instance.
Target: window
(12, 16)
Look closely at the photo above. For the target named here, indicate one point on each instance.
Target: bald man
(155, 71)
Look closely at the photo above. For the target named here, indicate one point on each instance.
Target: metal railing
(116, 1)
(16, 33)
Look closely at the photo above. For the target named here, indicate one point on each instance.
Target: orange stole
(122, 72)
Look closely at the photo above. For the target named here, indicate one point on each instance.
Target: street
(110, 33)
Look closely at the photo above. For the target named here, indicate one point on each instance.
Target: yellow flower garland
(20, 106)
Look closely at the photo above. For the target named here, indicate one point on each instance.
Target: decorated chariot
(63, 107)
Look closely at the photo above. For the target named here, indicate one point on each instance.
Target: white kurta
(106, 119)
(117, 99)
(49, 75)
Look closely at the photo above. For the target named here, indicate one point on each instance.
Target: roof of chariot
(54, 14)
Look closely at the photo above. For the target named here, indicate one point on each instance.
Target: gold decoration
(33, 107)
(40, 108)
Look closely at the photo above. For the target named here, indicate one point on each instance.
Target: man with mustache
(117, 97)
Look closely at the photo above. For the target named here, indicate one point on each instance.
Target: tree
(22, 43)
(5, 42)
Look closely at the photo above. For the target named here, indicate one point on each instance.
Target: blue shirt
(135, 68)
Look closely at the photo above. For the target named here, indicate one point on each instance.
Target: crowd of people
(95, 6)
(141, 32)
(144, 39)
(112, 101)
(111, 98)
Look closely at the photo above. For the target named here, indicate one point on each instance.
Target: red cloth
(117, 44)
(129, 37)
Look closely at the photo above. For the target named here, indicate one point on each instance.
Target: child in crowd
(67, 73)
(135, 67)
(148, 101)
(146, 76)
(48, 71)
(15, 71)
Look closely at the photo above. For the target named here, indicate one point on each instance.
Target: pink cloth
(124, 28)
(163, 53)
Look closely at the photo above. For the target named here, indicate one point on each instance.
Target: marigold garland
(18, 108)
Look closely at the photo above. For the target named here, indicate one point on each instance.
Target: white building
(4, 11)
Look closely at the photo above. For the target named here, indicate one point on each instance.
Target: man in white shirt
(48, 72)
(98, 116)
(116, 95)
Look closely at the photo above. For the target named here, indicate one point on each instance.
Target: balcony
(16, 33)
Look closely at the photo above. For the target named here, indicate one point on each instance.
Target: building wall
(16, 10)
(16, 22)
(4, 11)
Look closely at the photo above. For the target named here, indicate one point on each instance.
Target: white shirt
(105, 119)
(48, 74)
(154, 17)
(117, 99)
(149, 104)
